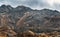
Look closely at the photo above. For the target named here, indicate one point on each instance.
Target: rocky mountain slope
(37, 19)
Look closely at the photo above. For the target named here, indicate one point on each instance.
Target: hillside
(38, 20)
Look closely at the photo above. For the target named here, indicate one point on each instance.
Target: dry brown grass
(3, 34)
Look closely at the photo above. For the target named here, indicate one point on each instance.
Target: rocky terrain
(35, 20)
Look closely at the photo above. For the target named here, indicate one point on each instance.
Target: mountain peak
(3, 5)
